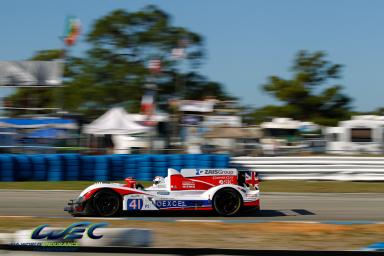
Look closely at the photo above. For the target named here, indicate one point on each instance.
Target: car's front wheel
(106, 203)
(227, 202)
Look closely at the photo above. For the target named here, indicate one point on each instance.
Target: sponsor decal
(224, 181)
(164, 204)
(188, 184)
(170, 203)
(134, 204)
(215, 172)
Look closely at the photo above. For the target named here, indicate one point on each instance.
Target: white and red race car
(226, 191)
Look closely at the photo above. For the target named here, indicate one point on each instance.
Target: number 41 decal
(135, 204)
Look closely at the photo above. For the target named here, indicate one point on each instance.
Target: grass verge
(265, 186)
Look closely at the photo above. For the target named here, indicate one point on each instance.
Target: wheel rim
(227, 202)
(107, 204)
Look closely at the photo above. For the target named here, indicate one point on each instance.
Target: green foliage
(308, 95)
(115, 68)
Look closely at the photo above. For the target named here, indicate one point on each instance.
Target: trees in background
(114, 69)
(311, 94)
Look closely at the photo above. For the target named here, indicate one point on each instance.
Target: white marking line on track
(185, 220)
(17, 216)
(298, 221)
(288, 212)
(100, 218)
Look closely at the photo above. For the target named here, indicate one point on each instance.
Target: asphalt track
(275, 207)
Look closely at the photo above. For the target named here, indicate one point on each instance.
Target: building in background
(361, 134)
(283, 136)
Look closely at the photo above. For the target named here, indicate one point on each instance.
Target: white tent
(115, 121)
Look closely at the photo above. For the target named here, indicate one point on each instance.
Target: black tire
(227, 202)
(106, 203)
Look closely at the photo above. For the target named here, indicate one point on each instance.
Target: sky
(246, 40)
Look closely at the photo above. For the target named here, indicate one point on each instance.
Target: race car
(225, 191)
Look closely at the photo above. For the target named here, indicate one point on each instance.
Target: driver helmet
(158, 180)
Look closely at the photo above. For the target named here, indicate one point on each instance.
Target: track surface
(275, 206)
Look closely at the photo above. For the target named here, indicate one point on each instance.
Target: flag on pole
(154, 66)
(178, 53)
(72, 30)
(148, 106)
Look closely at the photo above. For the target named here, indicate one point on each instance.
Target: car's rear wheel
(227, 202)
(106, 203)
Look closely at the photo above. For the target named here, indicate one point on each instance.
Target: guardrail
(314, 168)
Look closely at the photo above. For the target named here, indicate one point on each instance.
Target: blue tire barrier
(220, 161)
(87, 167)
(174, 158)
(55, 168)
(203, 164)
(144, 176)
(39, 167)
(101, 168)
(220, 165)
(116, 167)
(176, 162)
(204, 157)
(159, 158)
(161, 171)
(190, 157)
(224, 158)
(176, 167)
(22, 168)
(145, 173)
(129, 171)
(129, 166)
(159, 164)
(6, 168)
(189, 164)
(160, 168)
(71, 165)
(143, 162)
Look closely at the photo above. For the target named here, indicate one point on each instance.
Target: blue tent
(50, 133)
(37, 123)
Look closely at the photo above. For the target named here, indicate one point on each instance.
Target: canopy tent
(115, 121)
(24, 123)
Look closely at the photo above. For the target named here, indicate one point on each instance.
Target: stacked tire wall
(69, 167)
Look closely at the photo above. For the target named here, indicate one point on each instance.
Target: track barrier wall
(67, 167)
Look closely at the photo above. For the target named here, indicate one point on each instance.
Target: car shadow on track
(277, 213)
